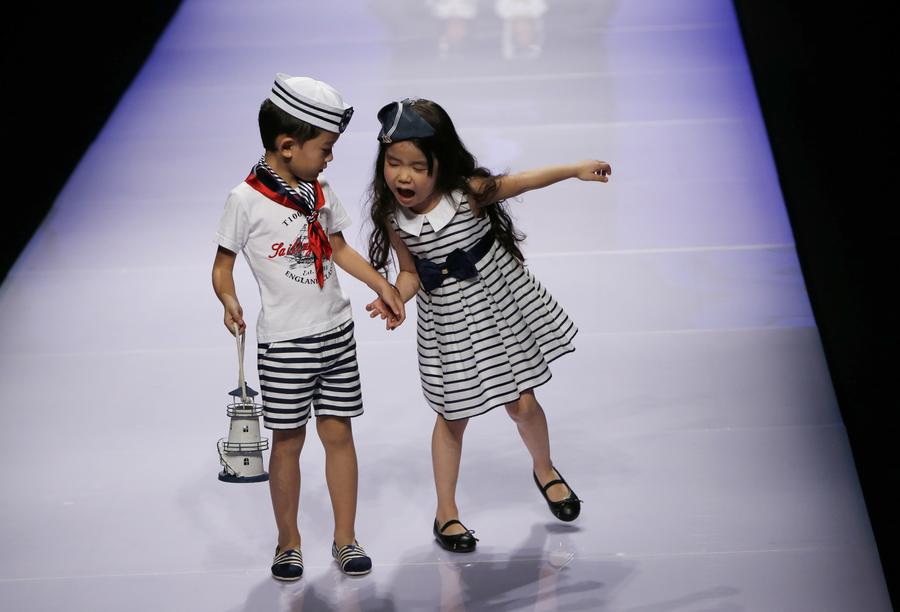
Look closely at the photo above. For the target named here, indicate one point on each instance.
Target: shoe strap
(470, 532)
(451, 522)
(554, 482)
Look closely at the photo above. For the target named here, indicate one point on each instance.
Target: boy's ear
(283, 145)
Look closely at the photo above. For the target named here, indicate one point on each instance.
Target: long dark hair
(455, 167)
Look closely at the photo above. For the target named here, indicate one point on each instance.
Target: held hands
(593, 170)
(389, 306)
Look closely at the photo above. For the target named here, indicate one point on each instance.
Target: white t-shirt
(274, 240)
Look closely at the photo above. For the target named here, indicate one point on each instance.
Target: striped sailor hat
(312, 101)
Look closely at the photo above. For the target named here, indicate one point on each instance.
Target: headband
(400, 122)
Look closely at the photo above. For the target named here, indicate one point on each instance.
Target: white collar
(412, 222)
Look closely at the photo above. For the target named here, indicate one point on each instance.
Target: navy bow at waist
(459, 264)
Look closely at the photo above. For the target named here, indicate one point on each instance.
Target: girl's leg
(532, 425)
(446, 451)
(284, 483)
(341, 474)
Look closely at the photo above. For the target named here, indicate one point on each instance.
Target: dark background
(824, 73)
(65, 67)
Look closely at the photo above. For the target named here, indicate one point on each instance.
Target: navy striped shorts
(318, 372)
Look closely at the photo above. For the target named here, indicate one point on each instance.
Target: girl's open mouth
(405, 193)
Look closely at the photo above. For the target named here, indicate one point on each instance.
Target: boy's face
(406, 174)
(309, 159)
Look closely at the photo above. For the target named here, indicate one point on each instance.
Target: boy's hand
(593, 170)
(234, 315)
(389, 306)
(391, 298)
(377, 308)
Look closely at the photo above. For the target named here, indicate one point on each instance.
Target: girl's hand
(593, 170)
(391, 298)
(389, 305)
(379, 308)
(234, 315)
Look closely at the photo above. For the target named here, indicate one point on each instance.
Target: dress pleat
(483, 341)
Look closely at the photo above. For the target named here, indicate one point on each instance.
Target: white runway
(696, 419)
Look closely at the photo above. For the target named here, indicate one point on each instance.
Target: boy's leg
(284, 483)
(286, 406)
(532, 425)
(341, 474)
(446, 452)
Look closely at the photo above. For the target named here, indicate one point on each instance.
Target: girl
(487, 328)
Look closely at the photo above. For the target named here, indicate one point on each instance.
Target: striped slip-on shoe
(352, 558)
(287, 565)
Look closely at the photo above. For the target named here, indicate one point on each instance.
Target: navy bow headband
(400, 122)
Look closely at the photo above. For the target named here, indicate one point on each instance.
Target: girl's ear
(284, 145)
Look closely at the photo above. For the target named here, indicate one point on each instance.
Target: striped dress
(485, 340)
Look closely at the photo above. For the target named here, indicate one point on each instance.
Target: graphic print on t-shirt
(301, 263)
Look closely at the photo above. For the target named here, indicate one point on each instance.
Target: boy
(288, 224)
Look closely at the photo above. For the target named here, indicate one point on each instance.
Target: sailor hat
(400, 122)
(312, 101)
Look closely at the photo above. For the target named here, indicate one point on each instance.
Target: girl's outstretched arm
(512, 185)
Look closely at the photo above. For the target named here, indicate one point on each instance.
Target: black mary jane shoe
(457, 542)
(566, 509)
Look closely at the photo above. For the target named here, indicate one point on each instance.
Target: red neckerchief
(274, 188)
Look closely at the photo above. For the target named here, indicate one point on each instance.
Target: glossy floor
(696, 419)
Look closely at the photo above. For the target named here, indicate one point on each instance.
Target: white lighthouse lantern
(241, 453)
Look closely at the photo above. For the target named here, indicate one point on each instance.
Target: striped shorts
(318, 372)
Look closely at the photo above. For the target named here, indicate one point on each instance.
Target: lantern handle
(239, 338)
